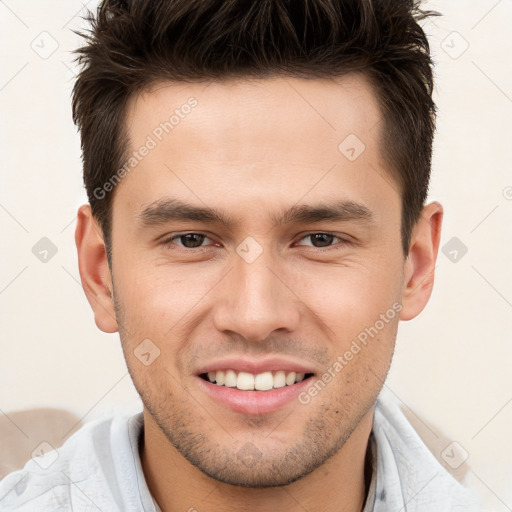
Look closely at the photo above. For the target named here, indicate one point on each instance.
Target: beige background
(452, 364)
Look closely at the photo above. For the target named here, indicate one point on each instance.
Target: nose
(256, 298)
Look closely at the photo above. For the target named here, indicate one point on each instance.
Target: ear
(94, 271)
(421, 260)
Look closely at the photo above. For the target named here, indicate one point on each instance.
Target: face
(292, 264)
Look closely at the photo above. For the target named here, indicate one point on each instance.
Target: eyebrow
(169, 209)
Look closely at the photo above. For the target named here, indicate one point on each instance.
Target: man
(256, 228)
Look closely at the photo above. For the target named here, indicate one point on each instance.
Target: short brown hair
(134, 43)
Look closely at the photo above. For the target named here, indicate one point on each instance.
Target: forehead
(244, 141)
(255, 110)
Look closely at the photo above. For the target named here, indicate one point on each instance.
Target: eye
(320, 240)
(192, 240)
(187, 240)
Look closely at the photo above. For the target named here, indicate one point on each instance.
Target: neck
(339, 485)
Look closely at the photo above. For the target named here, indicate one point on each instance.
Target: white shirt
(99, 468)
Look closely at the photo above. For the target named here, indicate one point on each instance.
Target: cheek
(156, 297)
(349, 299)
(159, 306)
(161, 301)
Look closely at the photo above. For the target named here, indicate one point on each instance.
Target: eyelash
(167, 241)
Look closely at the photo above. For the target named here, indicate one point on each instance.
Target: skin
(252, 148)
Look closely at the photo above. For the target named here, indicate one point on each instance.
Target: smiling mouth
(246, 381)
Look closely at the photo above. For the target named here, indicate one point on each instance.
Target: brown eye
(186, 240)
(319, 240)
(323, 239)
(191, 240)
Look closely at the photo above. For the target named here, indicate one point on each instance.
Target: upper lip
(255, 366)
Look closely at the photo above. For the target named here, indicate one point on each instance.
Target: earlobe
(94, 270)
(420, 263)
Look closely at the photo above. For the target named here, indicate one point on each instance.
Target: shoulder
(408, 472)
(79, 472)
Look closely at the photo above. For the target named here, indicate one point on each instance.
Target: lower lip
(254, 402)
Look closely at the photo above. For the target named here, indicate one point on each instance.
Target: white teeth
(219, 378)
(290, 378)
(245, 381)
(280, 379)
(264, 381)
(261, 382)
(230, 379)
